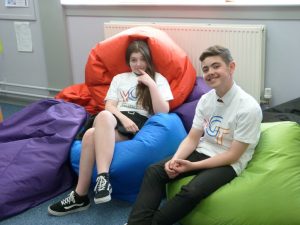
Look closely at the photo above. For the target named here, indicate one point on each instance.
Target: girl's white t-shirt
(123, 90)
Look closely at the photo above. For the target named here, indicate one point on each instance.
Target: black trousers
(147, 210)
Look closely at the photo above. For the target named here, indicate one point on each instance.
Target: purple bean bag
(186, 111)
(34, 154)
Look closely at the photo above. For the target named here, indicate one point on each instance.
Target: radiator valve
(266, 101)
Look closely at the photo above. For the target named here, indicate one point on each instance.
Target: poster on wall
(23, 35)
(16, 3)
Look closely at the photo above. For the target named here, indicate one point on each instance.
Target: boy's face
(216, 73)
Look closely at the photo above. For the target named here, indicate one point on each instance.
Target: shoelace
(100, 185)
(67, 200)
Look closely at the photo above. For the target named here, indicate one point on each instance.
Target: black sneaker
(102, 189)
(72, 203)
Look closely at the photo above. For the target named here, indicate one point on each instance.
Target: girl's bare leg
(105, 138)
(98, 144)
(87, 161)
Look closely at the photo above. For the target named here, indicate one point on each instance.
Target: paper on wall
(23, 35)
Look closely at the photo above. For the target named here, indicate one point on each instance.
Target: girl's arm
(158, 103)
(129, 125)
(111, 105)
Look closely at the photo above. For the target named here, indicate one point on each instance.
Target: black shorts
(137, 118)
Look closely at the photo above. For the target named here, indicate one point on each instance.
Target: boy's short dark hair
(217, 50)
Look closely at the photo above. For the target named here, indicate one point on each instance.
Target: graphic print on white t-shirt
(124, 95)
(214, 130)
(129, 98)
(128, 95)
(132, 94)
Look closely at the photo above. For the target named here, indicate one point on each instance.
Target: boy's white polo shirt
(238, 117)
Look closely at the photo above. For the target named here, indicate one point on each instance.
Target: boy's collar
(228, 96)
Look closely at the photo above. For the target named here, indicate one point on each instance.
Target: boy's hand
(169, 168)
(182, 165)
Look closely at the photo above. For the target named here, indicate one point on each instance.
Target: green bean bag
(266, 193)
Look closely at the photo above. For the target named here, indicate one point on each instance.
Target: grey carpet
(112, 213)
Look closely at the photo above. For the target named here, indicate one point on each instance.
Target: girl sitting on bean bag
(131, 99)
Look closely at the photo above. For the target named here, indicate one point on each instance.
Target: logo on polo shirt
(214, 129)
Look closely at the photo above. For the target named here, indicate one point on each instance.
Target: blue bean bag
(158, 139)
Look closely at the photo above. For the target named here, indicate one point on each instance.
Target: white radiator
(246, 43)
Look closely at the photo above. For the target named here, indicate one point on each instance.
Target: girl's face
(137, 62)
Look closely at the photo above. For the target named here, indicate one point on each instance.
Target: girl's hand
(145, 79)
(129, 125)
(182, 165)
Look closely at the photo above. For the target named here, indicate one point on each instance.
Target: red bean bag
(107, 59)
(79, 94)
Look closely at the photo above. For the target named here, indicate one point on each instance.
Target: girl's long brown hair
(142, 91)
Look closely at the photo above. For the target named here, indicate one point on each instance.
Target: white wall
(26, 68)
(85, 29)
(45, 70)
(63, 37)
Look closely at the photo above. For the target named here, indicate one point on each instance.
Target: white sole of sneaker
(54, 213)
(102, 200)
